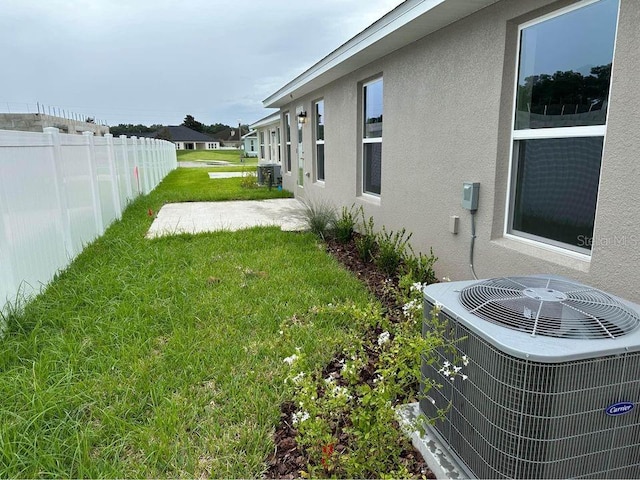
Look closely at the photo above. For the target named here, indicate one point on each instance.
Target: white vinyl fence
(59, 192)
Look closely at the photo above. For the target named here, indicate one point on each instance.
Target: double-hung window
(372, 136)
(318, 120)
(562, 92)
(262, 145)
(287, 141)
(278, 144)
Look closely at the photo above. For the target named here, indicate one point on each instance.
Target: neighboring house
(184, 138)
(36, 122)
(269, 137)
(230, 137)
(250, 144)
(516, 95)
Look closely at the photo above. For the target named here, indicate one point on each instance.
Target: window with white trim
(287, 141)
(262, 145)
(279, 146)
(562, 91)
(318, 127)
(372, 136)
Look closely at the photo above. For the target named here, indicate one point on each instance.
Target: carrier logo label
(619, 408)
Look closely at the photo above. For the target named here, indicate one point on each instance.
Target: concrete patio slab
(214, 175)
(202, 163)
(441, 462)
(198, 217)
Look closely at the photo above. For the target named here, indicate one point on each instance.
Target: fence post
(129, 172)
(115, 186)
(95, 192)
(63, 207)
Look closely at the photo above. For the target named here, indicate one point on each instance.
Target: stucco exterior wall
(448, 106)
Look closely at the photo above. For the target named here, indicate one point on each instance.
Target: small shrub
(345, 225)
(249, 179)
(391, 250)
(420, 267)
(366, 243)
(320, 218)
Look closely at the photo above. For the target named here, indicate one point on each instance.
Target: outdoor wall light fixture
(302, 117)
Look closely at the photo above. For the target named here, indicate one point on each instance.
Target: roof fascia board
(268, 120)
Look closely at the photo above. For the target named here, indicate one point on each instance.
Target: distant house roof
(227, 135)
(180, 133)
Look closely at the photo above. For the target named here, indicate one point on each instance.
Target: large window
(372, 137)
(318, 123)
(562, 91)
(287, 141)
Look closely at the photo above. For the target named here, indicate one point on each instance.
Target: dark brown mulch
(287, 460)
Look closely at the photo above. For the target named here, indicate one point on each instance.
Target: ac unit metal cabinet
(553, 377)
(272, 170)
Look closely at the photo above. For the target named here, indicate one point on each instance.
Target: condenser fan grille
(549, 307)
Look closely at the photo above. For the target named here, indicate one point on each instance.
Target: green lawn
(232, 156)
(194, 185)
(164, 358)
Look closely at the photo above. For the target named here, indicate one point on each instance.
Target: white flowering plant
(345, 410)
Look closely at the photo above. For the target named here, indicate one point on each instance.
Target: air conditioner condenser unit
(552, 384)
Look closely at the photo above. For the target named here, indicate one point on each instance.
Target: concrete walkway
(203, 164)
(214, 175)
(198, 217)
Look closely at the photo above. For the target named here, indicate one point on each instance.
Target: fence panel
(59, 192)
(79, 190)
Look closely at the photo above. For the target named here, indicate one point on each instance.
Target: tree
(164, 134)
(193, 124)
(129, 129)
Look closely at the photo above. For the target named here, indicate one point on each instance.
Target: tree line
(189, 121)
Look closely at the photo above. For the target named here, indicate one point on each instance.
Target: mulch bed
(287, 460)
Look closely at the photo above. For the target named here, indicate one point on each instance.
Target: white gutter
(407, 23)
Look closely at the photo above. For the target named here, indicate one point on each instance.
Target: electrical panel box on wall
(470, 193)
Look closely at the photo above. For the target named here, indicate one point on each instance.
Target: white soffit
(268, 120)
(408, 22)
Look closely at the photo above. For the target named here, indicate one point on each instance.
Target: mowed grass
(231, 156)
(163, 358)
(194, 185)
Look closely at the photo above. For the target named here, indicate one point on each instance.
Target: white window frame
(546, 133)
(279, 144)
(366, 140)
(317, 141)
(286, 118)
(261, 143)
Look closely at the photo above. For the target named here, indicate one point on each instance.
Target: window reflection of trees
(581, 99)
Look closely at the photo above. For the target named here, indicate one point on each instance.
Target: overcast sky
(155, 61)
